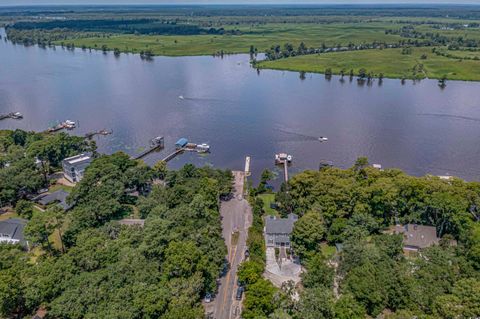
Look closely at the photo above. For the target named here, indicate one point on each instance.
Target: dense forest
(134, 26)
(103, 269)
(371, 275)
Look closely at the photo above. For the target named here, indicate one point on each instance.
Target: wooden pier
(157, 143)
(67, 125)
(173, 155)
(12, 115)
(284, 159)
(90, 135)
(285, 171)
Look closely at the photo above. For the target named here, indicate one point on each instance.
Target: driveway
(281, 271)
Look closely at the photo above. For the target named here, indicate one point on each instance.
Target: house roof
(418, 235)
(183, 141)
(13, 228)
(77, 159)
(274, 225)
(59, 196)
(132, 222)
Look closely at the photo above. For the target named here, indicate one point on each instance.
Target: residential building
(74, 167)
(132, 222)
(11, 231)
(59, 197)
(417, 237)
(278, 230)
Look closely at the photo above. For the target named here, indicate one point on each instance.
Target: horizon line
(309, 3)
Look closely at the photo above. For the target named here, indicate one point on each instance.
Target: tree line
(83, 263)
(370, 275)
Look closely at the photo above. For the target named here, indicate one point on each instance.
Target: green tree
(24, 208)
(259, 300)
(160, 169)
(250, 272)
(347, 307)
(307, 234)
(316, 303)
(318, 273)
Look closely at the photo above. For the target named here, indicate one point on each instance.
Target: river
(417, 127)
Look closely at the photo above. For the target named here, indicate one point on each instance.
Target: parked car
(239, 293)
(247, 253)
(208, 298)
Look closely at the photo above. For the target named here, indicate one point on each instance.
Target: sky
(43, 2)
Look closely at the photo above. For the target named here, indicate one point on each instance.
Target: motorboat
(203, 148)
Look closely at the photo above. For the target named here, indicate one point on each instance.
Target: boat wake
(186, 98)
(304, 137)
(458, 117)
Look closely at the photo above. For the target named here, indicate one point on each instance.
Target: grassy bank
(262, 37)
(391, 62)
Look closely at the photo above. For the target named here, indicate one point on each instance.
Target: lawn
(57, 187)
(8, 215)
(261, 37)
(391, 62)
(267, 200)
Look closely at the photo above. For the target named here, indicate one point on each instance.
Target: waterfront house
(278, 230)
(416, 237)
(11, 231)
(74, 167)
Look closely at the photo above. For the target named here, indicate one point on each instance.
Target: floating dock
(67, 125)
(157, 143)
(182, 145)
(12, 115)
(285, 160)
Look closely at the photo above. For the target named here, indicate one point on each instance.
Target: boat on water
(157, 141)
(323, 139)
(16, 115)
(281, 158)
(181, 97)
(69, 125)
(12, 115)
(203, 148)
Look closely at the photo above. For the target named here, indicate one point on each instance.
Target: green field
(261, 37)
(391, 62)
(267, 200)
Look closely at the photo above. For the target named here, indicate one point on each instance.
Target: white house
(74, 167)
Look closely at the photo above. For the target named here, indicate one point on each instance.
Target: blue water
(417, 127)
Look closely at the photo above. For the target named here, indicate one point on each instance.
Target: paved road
(236, 216)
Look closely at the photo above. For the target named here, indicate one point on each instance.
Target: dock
(90, 135)
(284, 159)
(67, 125)
(173, 155)
(285, 171)
(11, 115)
(157, 143)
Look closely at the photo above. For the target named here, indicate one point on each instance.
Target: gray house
(417, 237)
(278, 230)
(59, 197)
(11, 231)
(74, 167)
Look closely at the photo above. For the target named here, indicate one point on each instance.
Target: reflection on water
(238, 111)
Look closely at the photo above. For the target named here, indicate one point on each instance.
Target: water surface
(416, 127)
